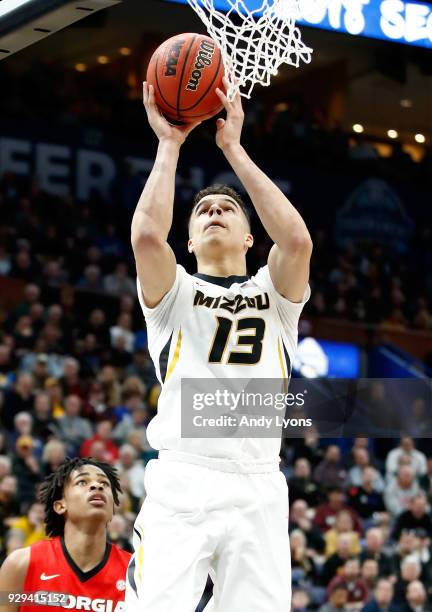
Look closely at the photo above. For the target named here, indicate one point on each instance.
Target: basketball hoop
(254, 42)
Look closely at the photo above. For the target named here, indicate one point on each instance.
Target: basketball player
(215, 505)
(79, 499)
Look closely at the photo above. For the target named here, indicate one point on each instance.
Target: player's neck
(86, 548)
(223, 267)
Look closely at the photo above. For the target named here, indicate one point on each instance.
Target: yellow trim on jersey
(176, 355)
(140, 553)
(281, 360)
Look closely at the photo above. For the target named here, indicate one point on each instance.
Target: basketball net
(254, 42)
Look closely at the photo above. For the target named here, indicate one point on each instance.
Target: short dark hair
(219, 189)
(53, 486)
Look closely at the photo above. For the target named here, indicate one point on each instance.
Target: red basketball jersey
(52, 570)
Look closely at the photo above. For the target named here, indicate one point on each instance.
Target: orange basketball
(185, 71)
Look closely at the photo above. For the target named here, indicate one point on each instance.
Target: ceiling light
(420, 138)
(125, 51)
(392, 134)
(406, 103)
(103, 59)
(358, 128)
(80, 67)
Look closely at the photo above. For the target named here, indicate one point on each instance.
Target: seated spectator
(299, 519)
(361, 462)
(343, 524)
(301, 485)
(29, 528)
(373, 549)
(401, 491)
(406, 547)
(97, 326)
(44, 425)
(9, 506)
(5, 465)
(18, 399)
(330, 471)
(337, 600)
(70, 381)
(54, 453)
(91, 279)
(416, 600)
(54, 390)
(308, 447)
(425, 481)
(302, 562)
(23, 426)
(73, 429)
(325, 514)
(382, 600)
(407, 448)
(336, 561)
(416, 517)
(136, 421)
(370, 573)
(130, 467)
(355, 585)
(142, 367)
(119, 282)
(117, 531)
(365, 499)
(27, 470)
(103, 435)
(410, 570)
(123, 328)
(300, 600)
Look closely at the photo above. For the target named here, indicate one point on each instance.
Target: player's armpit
(289, 271)
(12, 576)
(155, 264)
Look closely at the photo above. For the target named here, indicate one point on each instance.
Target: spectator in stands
(136, 421)
(91, 279)
(302, 561)
(98, 327)
(301, 485)
(9, 506)
(70, 381)
(365, 499)
(123, 329)
(119, 282)
(18, 399)
(410, 571)
(54, 390)
(117, 530)
(382, 600)
(330, 471)
(416, 600)
(104, 435)
(142, 367)
(308, 447)
(406, 547)
(27, 470)
(343, 524)
(32, 294)
(426, 480)
(300, 600)
(401, 491)
(108, 378)
(373, 549)
(73, 429)
(415, 517)
(355, 585)
(54, 453)
(5, 465)
(336, 561)
(370, 573)
(30, 527)
(299, 519)
(131, 468)
(407, 448)
(325, 514)
(337, 599)
(361, 462)
(44, 426)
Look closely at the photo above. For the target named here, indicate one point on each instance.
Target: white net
(254, 41)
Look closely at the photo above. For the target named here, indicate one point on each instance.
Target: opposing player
(215, 505)
(77, 561)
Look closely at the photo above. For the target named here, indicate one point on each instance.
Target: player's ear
(59, 506)
(249, 241)
(190, 245)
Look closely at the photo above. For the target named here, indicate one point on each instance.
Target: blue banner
(409, 23)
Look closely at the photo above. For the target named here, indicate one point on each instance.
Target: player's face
(87, 495)
(218, 223)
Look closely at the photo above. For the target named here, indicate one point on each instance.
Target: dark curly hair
(53, 486)
(219, 189)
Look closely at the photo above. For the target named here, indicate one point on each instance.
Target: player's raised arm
(12, 577)
(151, 223)
(290, 256)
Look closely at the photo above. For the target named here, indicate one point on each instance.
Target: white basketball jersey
(224, 328)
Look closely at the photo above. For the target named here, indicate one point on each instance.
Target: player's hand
(158, 123)
(229, 130)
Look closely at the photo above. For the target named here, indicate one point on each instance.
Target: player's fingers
(222, 97)
(220, 123)
(145, 93)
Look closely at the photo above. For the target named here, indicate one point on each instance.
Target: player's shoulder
(121, 555)
(16, 565)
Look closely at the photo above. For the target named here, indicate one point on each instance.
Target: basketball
(185, 72)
